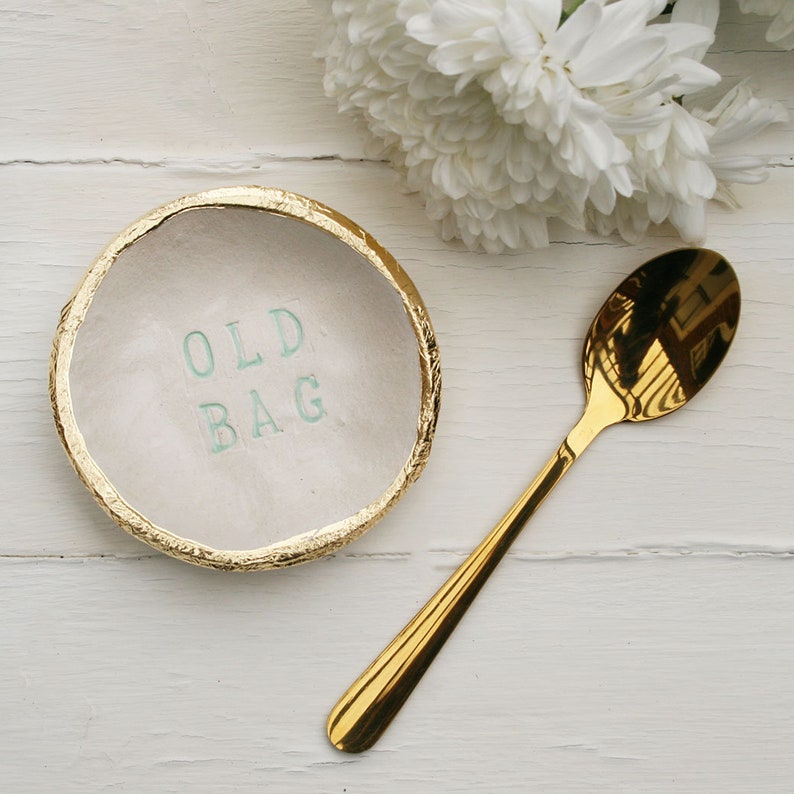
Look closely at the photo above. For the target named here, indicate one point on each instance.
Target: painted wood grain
(651, 673)
(639, 635)
(157, 80)
(510, 333)
(232, 81)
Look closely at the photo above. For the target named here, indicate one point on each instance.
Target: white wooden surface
(639, 638)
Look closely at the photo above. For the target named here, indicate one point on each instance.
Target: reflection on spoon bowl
(656, 341)
(664, 331)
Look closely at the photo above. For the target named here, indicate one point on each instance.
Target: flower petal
(520, 37)
(691, 76)
(618, 63)
(701, 12)
(572, 35)
(685, 38)
(544, 15)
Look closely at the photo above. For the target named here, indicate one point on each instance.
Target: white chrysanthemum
(501, 117)
(781, 29)
(691, 155)
(674, 180)
(671, 179)
(738, 116)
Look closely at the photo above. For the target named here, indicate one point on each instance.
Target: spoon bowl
(653, 345)
(664, 331)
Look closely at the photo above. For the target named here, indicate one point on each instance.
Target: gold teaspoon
(653, 345)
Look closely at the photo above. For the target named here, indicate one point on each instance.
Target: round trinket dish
(245, 379)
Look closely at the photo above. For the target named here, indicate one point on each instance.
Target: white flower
(781, 29)
(501, 117)
(691, 156)
(671, 179)
(738, 116)
(675, 178)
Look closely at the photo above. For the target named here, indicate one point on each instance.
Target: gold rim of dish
(299, 548)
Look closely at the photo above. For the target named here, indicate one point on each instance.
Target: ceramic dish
(245, 379)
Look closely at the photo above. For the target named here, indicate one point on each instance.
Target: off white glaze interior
(221, 271)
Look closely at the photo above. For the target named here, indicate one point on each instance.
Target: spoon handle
(369, 705)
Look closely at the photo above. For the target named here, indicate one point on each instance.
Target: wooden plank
(153, 81)
(638, 638)
(231, 82)
(655, 673)
(510, 333)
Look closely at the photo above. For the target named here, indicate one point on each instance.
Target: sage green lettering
(242, 361)
(318, 413)
(222, 434)
(260, 411)
(209, 366)
(287, 349)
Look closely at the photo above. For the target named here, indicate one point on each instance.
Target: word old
(199, 356)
